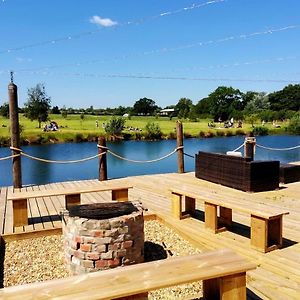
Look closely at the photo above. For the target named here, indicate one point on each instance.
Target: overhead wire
(181, 78)
(90, 32)
(164, 50)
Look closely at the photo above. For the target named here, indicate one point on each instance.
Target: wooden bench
(266, 222)
(72, 197)
(223, 273)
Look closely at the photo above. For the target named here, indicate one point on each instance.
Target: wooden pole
(102, 159)
(15, 134)
(250, 142)
(180, 154)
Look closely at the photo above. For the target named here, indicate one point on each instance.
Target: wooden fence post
(180, 153)
(102, 159)
(249, 147)
(15, 134)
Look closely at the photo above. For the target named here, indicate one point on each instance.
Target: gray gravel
(40, 259)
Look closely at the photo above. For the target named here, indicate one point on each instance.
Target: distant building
(167, 111)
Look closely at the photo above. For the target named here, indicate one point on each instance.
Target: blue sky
(108, 53)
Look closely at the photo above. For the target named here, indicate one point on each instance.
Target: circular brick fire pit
(103, 235)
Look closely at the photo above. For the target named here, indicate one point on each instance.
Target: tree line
(220, 105)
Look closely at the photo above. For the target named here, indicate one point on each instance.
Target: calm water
(40, 173)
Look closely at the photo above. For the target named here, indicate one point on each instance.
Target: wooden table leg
(275, 233)
(72, 200)
(233, 287)
(211, 217)
(176, 206)
(259, 233)
(190, 205)
(225, 216)
(20, 212)
(211, 289)
(120, 195)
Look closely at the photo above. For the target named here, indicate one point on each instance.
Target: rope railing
(189, 155)
(54, 161)
(139, 161)
(107, 150)
(238, 148)
(62, 161)
(278, 149)
(9, 157)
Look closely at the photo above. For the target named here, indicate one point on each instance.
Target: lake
(34, 172)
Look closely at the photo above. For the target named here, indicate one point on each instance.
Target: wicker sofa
(237, 172)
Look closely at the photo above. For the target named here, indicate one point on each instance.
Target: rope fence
(238, 148)
(107, 150)
(61, 161)
(9, 157)
(278, 149)
(89, 158)
(139, 161)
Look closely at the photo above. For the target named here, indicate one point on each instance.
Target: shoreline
(58, 137)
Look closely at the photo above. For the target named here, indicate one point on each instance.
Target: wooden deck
(278, 272)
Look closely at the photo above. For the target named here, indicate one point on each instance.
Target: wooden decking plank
(8, 221)
(44, 213)
(51, 209)
(35, 212)
(3, 193)
(275, 268)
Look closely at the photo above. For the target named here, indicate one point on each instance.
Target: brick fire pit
(102, 236)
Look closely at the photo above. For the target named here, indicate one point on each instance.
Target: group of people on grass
(53, 126)
(227, 124)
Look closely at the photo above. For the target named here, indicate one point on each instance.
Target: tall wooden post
(180, 154)
(249, 147)
(102, 159)
(15, 134)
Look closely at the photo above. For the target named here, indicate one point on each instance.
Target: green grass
(74, 129)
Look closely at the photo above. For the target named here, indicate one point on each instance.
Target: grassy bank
(73, 129)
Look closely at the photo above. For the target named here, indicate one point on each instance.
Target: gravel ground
(41, 259)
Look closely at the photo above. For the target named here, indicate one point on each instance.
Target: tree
(153, 131)
(145, 107)
(183, 107)
(4, 110)
(286, 99)
(55, 110)
(115, 125)
(64, 112)
(224, 101)
(259, 104)
(202, 108)
(38, 104)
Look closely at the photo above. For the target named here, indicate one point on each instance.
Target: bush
(260, 130)
(152, 131)
(202, 133)
(115, 126)
(79, 138)
(171, 136)
(229, 133)
(209, 134)
(294, 125)
(240, 132)
(187, 135)
(220, 133)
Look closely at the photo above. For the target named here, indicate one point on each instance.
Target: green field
(73, 129)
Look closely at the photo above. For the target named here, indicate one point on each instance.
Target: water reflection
(34, 172)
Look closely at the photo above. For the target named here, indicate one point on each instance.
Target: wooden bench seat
(72, 197)
(266, 221)
(223, 273)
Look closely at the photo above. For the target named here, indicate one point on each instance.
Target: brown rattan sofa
(237, 172)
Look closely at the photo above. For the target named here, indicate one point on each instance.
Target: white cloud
(105, 22)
